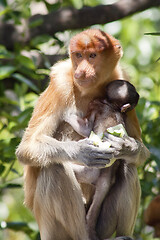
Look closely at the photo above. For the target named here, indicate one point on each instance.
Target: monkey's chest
(108, 118)
(66, 133)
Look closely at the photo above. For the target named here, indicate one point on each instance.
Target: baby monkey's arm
(82, 126)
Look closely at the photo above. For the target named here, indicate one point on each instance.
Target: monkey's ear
(118, 46)
(126, 107)
(119, 49)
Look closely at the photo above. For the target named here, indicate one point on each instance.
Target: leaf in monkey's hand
(117, 130)
(97, 140)
(111, 162)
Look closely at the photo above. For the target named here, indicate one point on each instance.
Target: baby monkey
(121, 97)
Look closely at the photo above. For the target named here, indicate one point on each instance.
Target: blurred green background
(22, 78)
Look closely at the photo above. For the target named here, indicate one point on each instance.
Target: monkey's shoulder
(61, 72)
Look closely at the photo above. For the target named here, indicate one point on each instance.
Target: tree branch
(70, 18)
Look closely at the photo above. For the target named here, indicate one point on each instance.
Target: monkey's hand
(86, 153)
(127, 148)
(47, 150)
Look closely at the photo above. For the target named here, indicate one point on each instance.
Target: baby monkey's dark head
(122, 95)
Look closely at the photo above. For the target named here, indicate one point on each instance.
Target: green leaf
(153, 34)
(40, 40)
(6, 100)
(53, 7)
(4, 53)
(6, 71)
(26, 62)
(12, 185)
(17, 226)
(3, 3)
(15, 171)
(36, 23)
(2, 168)
(6, 10)
(25, 115)
(117, 130)
(25, 80)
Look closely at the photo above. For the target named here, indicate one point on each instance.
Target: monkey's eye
(78, 55)
(92, 55)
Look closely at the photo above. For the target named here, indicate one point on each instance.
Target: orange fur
(132, 125)
(152, 215)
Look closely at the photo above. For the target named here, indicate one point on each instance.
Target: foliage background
(22, 78)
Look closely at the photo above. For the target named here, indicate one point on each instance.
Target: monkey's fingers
(92, 155)
(127, 144)
(110, 137)
(98, 165)
(128, 148)
(116, 142)
(100, 159)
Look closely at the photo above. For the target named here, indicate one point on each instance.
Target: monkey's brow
(76, 51)
(82, 51)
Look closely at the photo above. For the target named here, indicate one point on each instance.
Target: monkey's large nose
(79, 75)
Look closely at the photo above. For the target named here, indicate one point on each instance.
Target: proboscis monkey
(152, 215)
(50, 145)
(121, 97)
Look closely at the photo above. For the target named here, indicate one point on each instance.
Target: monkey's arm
(45, 150)
(38, 146)
(130, 148)
(81, 125)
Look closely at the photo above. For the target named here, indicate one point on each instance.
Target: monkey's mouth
(86, 83)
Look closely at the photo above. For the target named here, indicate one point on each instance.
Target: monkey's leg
(128, 206)
(120, 206)
(58, 205)
(85, 174)
(102, 188)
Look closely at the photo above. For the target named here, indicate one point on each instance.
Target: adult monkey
(50, 145)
